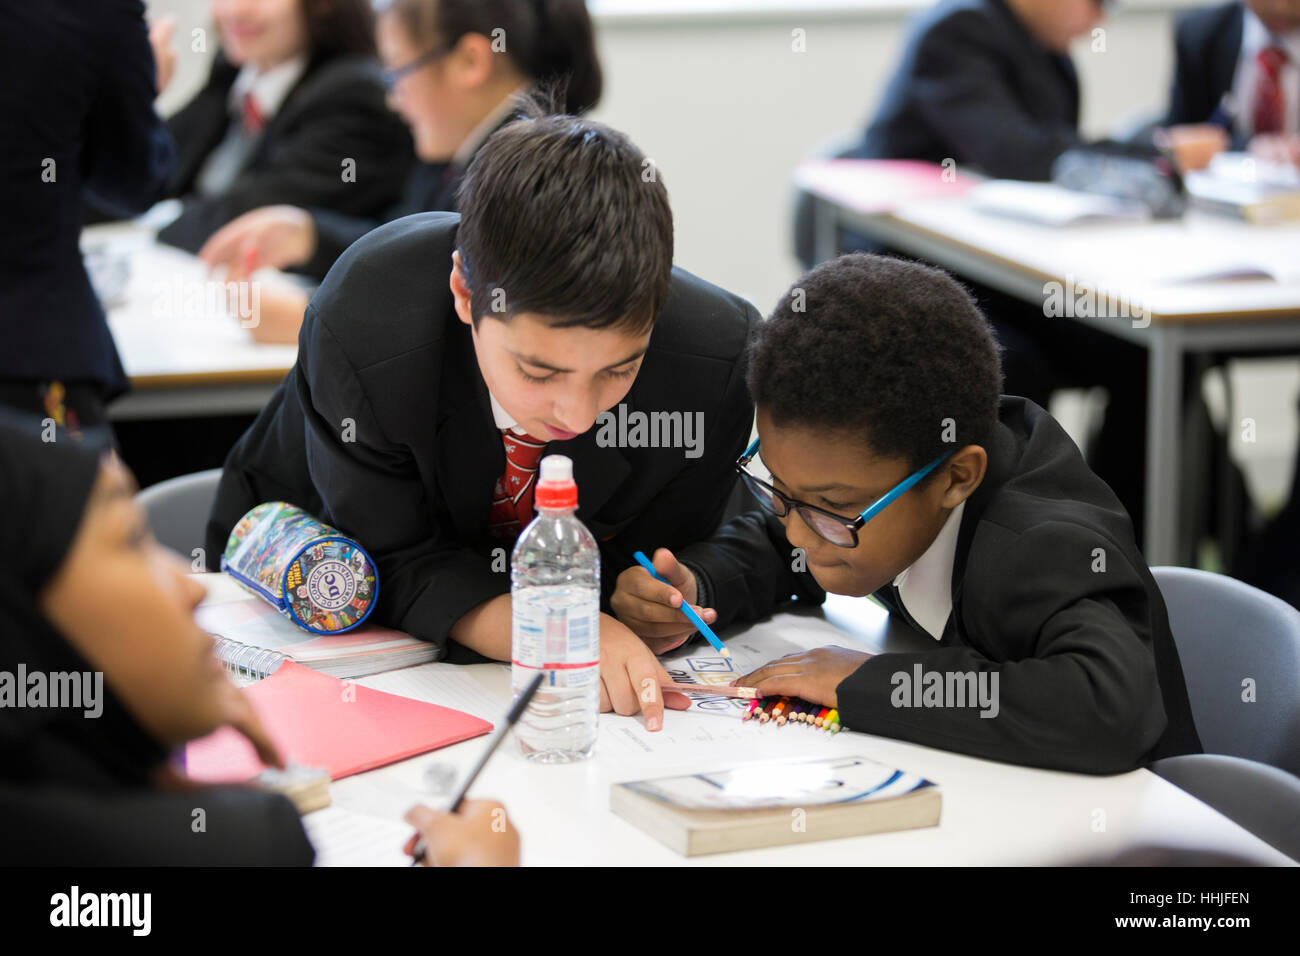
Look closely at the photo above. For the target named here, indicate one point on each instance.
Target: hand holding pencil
(653, 607)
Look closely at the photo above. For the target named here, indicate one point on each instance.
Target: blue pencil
(686, 608)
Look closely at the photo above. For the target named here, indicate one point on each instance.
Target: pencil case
(320, 579)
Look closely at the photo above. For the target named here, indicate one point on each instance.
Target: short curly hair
(889, 349)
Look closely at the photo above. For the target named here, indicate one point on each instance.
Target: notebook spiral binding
(246, 660)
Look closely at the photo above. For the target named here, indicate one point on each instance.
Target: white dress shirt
(925, 587)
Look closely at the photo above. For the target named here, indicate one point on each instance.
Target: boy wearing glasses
(897, 470)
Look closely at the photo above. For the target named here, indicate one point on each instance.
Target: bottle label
(557, 635)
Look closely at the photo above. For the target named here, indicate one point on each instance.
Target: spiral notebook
(253, 638)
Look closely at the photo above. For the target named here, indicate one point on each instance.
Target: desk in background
(1138, 264)
(185, 355)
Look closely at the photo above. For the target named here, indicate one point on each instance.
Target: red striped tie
(254, 121)
(512, 498)
(1267, 106)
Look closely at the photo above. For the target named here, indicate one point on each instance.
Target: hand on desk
(1193, 145)
(652, 609)
(273, 237)
(812, 675)
(1277, 147)
(481, 834)
(280, 308)
(630, 675)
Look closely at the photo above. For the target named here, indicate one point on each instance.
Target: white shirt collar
(925, 587)
(470, 144)
(269, 87)
(1255, 37)
(502, 417)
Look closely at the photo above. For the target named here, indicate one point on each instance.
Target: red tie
(512, 498)
(1267, 106)
(254, 121)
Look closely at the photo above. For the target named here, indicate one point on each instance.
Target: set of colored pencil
(783, 710)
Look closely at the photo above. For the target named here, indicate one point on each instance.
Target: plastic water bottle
(555, 627)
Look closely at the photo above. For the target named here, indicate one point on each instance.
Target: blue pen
(689, 611)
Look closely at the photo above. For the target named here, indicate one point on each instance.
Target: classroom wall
(717, 96)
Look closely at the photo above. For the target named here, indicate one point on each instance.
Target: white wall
(713, 92)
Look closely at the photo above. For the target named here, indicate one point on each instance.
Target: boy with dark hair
(417, 414)
(972, 515)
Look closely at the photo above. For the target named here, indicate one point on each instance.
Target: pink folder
(319, 721)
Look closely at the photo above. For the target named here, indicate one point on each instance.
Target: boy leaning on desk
(898, 471)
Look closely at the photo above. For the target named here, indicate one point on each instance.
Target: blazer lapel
(467, 446)
(1003, 453)
(1223, 60)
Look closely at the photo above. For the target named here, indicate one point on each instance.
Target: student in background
(293, 111)
(77, 119)
(990, 85)
(1008, 551)
(453, 86)
(86, 590)
(1238, 65)
(438, 345)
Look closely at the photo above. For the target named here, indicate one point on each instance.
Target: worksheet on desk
(713, 726)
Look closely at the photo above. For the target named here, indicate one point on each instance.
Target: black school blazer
(1089, 676)
(975, 86)
(1207, 46)
(381, 347)
(335, 111)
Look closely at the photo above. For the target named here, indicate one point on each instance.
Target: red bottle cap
(555, 485)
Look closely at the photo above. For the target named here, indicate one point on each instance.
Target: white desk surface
(1161, 265)
(1147, 261)
(993, 813)
(165, 327)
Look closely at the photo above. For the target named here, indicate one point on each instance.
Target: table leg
(1164, 446)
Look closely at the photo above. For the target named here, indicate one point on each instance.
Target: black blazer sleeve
(335, 114)
(217, 826)
(128, 153)
(963, 93)
(335, 231)
(1077, 678)
(430, 579)
(690, 506)
(748, 570)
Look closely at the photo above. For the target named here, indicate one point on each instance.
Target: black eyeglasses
(394, 76)
(837, 529)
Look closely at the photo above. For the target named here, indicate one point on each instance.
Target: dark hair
(338, 27)
(548, 40)
(568, 219)
(884, 349)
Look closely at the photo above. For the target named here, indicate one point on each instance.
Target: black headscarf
(44, 489)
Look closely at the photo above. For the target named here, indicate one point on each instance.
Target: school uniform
(1036, 578)
(383, 355)
(975, 86)
(1219, 61)
(96, 792)
(248, 140)
(430, 187)
(76, 107)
